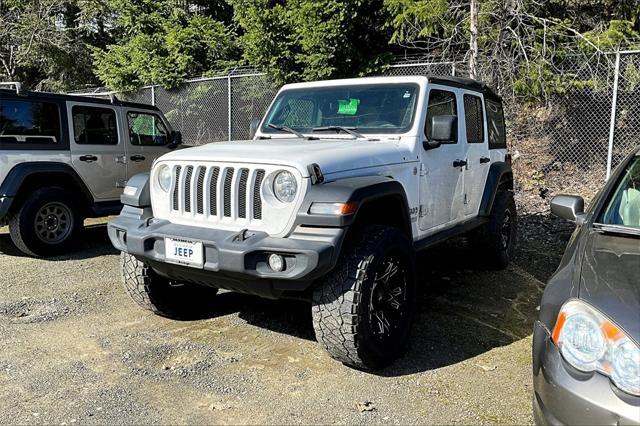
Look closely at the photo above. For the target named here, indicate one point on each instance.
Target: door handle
(484, 160)
(137, 158)
(88, 158)
(459, 163)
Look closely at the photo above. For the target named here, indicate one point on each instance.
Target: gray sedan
(586, 343)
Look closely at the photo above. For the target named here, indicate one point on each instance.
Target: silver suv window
(146, 129)
(29, 122)
(94, 125)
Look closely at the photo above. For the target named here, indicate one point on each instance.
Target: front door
(441, 181)
(478, 158)
(97, 153)
(148, 137)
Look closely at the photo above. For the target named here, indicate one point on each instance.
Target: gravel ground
(75, 349)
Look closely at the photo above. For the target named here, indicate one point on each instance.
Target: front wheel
(161, 295)
(46, 223)
(362, 311)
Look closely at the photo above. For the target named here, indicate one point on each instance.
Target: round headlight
(626, 366)
(164, 178)
(285, 187)
(582, 342)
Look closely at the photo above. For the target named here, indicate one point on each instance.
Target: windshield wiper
(290, 130)
(350, 130)
(616, 229)
(286, 129)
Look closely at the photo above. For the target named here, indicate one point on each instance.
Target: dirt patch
(75, 349)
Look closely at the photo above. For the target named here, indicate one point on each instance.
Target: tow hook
(242, 236)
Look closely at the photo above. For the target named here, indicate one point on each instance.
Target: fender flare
(499, 173)
(362, 190)
(21, 172)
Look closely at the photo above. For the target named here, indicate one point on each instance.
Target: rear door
(97, 151)
(441, 181)
(477, 147)
(147, 138)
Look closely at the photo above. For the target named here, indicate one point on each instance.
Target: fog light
(276, 262)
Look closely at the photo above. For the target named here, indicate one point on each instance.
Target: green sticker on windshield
(348, 107)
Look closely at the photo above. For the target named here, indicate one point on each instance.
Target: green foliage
(411, 19)
(162, 44)
(35, 48)
(308, 40)
(618, 34)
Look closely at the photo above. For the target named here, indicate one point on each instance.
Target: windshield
(372, 108)
(623, 207)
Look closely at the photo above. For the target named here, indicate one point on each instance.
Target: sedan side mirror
(253, 127)
(176, 139)
(444, 128)
(569, 207)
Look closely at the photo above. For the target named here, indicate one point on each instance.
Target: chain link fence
(569, 143)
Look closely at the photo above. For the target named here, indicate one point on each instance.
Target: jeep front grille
(213, 190)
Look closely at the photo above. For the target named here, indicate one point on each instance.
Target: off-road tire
(342, 302)
(22, 223)
(162, 296)
(489, 242)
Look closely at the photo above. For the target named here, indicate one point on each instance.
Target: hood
(332, 155)
(610, 279)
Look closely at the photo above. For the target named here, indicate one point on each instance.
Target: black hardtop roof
(465, 83)
(77, 98)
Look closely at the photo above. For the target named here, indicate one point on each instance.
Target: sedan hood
(610, 279)
(333, 155)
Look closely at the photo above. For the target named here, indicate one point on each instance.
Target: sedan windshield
(623, 207)
(372, 108)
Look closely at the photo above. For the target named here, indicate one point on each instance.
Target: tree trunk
(473, 40)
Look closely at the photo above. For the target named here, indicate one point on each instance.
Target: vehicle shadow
(93, 241)
(463, 309)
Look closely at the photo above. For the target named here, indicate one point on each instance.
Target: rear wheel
(496, 240)
(161, 295)
(46, 223)
(362, 312)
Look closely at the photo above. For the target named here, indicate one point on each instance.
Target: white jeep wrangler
(342, 183)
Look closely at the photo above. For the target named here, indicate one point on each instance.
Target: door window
(146, 129)
(473, 118)
(495, 122)
(441, 102)
(29, 122)
(94, 126)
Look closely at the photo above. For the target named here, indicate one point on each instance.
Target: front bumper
(564, 395)
(232, 260)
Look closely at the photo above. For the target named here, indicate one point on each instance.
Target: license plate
(184, 252)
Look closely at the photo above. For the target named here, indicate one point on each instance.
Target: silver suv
(65, 158)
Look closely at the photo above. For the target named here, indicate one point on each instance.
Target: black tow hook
(242, 236)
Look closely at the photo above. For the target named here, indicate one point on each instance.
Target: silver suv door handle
(137, 158)
(484, 160)
(459, 163)
(88, 158)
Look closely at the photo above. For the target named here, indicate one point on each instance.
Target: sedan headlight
(591, 342)
(285, 186)
(164, 178)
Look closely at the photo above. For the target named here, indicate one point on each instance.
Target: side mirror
(569, 207)
(444, 128)
(253, 127)
(176, 139)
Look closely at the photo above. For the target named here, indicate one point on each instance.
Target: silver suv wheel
(53, 223)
